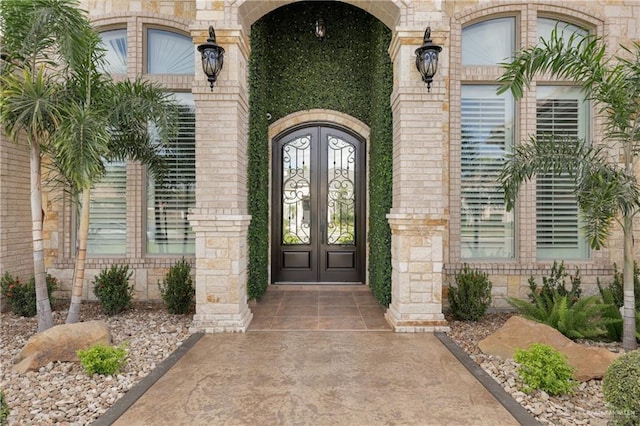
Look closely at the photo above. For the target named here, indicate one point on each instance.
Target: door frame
(313, 119)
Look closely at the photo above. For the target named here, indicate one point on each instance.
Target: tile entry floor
(318, 307)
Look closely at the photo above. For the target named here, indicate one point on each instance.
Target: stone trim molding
(319, 115)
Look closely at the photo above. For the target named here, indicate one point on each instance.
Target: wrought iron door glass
(296, 185)
(341, 201)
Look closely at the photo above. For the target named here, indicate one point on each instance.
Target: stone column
(220, 218)
(418, 219)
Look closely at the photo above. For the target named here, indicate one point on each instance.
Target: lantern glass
(428, 63)
(211, 62)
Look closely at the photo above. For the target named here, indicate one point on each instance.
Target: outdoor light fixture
(212, 57)
(321, 29)
(427, 58)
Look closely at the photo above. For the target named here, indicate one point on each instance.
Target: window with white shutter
(487, 229)
(115, 44)
(169, 53)
(108, 212)
(561, 112)
(169, 200)
(489, 42)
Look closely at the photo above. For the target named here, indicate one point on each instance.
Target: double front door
(318, 206)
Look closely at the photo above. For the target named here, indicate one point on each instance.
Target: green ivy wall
(349, 71)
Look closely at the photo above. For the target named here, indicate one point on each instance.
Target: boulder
(60, 343)
(519, 333)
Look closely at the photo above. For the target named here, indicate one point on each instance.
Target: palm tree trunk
(78, 273)
(43, 306)
(628, 318)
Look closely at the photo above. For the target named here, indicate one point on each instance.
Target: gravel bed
(61, 393)
(586, 406)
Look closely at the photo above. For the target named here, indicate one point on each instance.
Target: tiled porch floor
(318, 307)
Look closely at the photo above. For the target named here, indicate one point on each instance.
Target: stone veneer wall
(421, 117)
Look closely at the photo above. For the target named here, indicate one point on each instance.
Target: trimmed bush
(544, 368)
(177, 288)
(471, 296)
(621, 388)
(112, 289)
(22, 296)
(102, 359)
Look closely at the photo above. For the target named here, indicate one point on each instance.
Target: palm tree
(37, 38)
(104, 121)
(74, 114)
(607, 190)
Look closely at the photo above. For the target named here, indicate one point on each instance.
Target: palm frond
(577, 58)
(81, 144)
(29, 103)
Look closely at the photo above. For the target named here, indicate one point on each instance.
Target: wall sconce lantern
(427, 58)
(321, 29)
(212, 57)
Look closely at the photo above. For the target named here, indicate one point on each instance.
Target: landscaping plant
(606, 188)
(103, 359)
(112, 289)
(613, 296)
(177, 288)
(4, 409)
(621, 388)
(471, 296)
(21, 296)
(616, 285)
(582, 319)
(556, 285)
(543, 367)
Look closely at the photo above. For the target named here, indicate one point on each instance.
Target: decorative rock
(519, 333)
(60, 343)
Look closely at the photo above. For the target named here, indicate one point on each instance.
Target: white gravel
(586, 406)
(61, 393)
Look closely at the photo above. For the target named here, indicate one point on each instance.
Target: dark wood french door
(318, 206)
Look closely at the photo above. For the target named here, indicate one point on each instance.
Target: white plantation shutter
(545, 26)
(115, 44)
(562, 112)
(487, 230)
(169, 53)
(489, 42)
(108, 212)
(169, 201)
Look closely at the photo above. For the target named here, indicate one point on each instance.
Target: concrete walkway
(317, 378)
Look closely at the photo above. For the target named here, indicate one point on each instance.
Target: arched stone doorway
(418, 218)
(325, 253)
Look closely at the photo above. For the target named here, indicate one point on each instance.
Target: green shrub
(22, 296)
(621, 388)
(4, 409)
(556, 285)
(544, 368)
(177, 288)
(617, 284)
(471, 296)
(611, 315)
(112, 289)
(582, 319)
(102, 359)
(613, 295)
